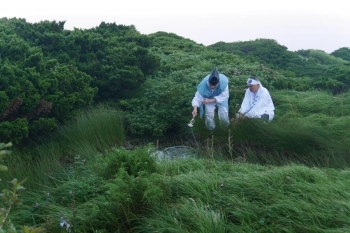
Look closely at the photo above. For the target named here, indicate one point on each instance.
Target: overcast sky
(296, 24)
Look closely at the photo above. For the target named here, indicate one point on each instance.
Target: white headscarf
(252, 81)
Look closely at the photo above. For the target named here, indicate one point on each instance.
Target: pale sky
(296, 24)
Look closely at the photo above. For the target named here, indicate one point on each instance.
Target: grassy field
(251, 177)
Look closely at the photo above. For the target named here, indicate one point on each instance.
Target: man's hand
(242, 116)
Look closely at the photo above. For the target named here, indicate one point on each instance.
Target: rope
(190, 124)
(194, 138)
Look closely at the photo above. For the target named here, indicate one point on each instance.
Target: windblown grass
(92, 132)
(83, 175)
(251, 198)
(37, 167)
(190, 195)
(309, 128)
(311, 102)
(277, 143)
(100, 128)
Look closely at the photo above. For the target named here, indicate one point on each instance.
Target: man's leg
(223, 114)
(209, 116)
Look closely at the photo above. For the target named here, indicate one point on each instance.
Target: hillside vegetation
(89, 112)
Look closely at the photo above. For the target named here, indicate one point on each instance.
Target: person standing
(212, 91)
(257, 102)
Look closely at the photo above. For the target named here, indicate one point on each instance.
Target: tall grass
(311, 102)
(36, 166)
(308, 129)
(189, 216)
(82, 175)
(250, 198)
(128, 191)
(275, 143)
(96, 130)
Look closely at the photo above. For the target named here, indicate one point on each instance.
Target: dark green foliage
(321, 57)
(266, 50)
(310, 63)
(115, 56)
(336, 79)
(42, 126)
(157, 109)
(49, 72)
(68, 69)
(29, 84)
(132, 162)
(13, 47)
(4, 99)
(69, 91)
(15, 130)
(107, 193)
(343, 53)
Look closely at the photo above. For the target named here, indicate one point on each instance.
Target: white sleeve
(197, 100)
(223, 96)
(245, 106)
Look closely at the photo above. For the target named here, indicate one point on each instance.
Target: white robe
(210, 108)
(257, 103)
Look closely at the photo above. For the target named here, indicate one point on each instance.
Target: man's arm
(196, 102)
(245, 106)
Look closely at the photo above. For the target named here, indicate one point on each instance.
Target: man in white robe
(211, 92)
(257, 102)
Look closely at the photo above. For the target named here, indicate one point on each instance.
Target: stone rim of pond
(176, 152)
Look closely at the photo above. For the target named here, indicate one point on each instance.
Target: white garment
(210, 108)
(257, 103)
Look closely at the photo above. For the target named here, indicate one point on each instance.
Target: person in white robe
(212, 91)
(257, 102)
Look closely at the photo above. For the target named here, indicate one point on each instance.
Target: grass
(253, 198)
(276, 143)
(192, 195)
(285, 176)
(90, 133)
(99, 128)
